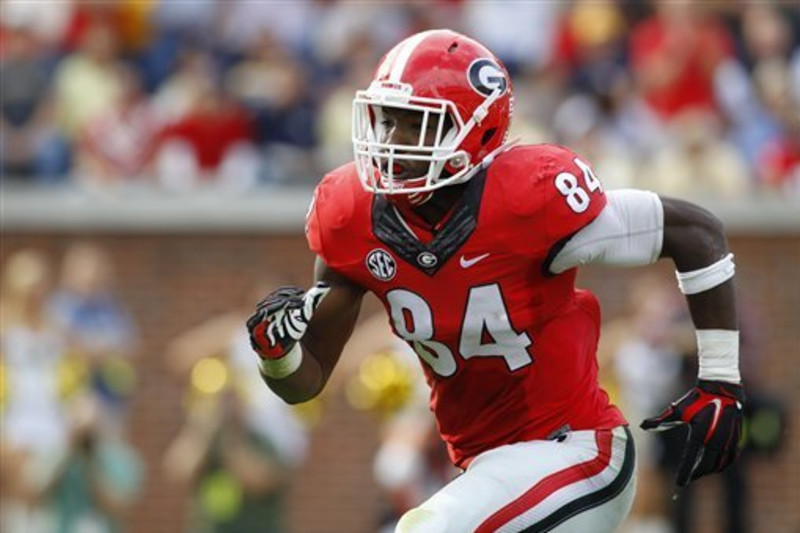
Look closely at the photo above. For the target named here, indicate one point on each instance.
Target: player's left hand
(713, 410)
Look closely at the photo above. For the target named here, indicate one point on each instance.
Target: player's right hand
(281, 319)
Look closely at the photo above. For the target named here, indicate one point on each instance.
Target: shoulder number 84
(577, 197)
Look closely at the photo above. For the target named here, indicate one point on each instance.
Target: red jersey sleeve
(312, 228)
(546, 194)
(337, 216)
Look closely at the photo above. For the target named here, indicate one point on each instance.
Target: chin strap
(499, 150)
(418, 198)
(486, 161)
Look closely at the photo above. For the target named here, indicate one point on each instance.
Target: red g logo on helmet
(486, 77)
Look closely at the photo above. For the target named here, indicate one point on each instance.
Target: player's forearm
(715, 308)
(298, 352)
(303, 384)
(318, 352)
(695, 240)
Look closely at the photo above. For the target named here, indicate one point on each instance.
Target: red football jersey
(508, 349)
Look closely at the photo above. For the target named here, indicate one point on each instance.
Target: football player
(472, 244)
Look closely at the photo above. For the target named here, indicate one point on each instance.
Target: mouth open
(399, 171)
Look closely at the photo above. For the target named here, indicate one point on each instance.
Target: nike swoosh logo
(466, 263)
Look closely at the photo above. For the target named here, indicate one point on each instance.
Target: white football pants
(582, 482)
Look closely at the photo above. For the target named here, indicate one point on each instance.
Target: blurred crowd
(67, 374)
(685, 98)
(69, 370)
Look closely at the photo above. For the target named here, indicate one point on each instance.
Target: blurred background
(158, 157)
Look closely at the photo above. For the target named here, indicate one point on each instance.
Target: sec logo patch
(381, 264)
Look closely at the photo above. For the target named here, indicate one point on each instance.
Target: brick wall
(172, 282)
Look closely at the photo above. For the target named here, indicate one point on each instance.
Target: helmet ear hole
(487, 135)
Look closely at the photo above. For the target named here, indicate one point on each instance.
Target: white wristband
(708, 277)
(284, 366)
(718, 353)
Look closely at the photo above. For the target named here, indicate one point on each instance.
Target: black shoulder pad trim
(552, 253)
(391, 231)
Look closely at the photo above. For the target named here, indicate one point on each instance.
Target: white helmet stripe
(404, 51)
(386, 64)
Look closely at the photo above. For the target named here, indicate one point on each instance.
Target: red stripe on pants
(550, 484)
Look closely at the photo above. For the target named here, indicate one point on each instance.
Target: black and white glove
(713, 410)
(281, 319)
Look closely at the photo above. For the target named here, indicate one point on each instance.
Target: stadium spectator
(182, 89)
(769, 38)
(33, 385)
(698, 161)
(334, 118)
(116, 147)
(92, 483)
(31, 147)
(590, 46)
(86, 84)
(237, 447)
(177, 26)
(242, 23)
(84, 18)
(136, 32)
(211, 145)
(130, 21)
(274, 88)
(778, 165)
(342, 31)
(101, 335)
(69, 472)
(33, 348)
(754, 89)
(237, 479)
(674, 57)
(507, 30)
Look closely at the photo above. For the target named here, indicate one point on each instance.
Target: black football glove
(713, 410)
(281, 319)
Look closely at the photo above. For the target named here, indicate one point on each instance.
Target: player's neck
(440, 205)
